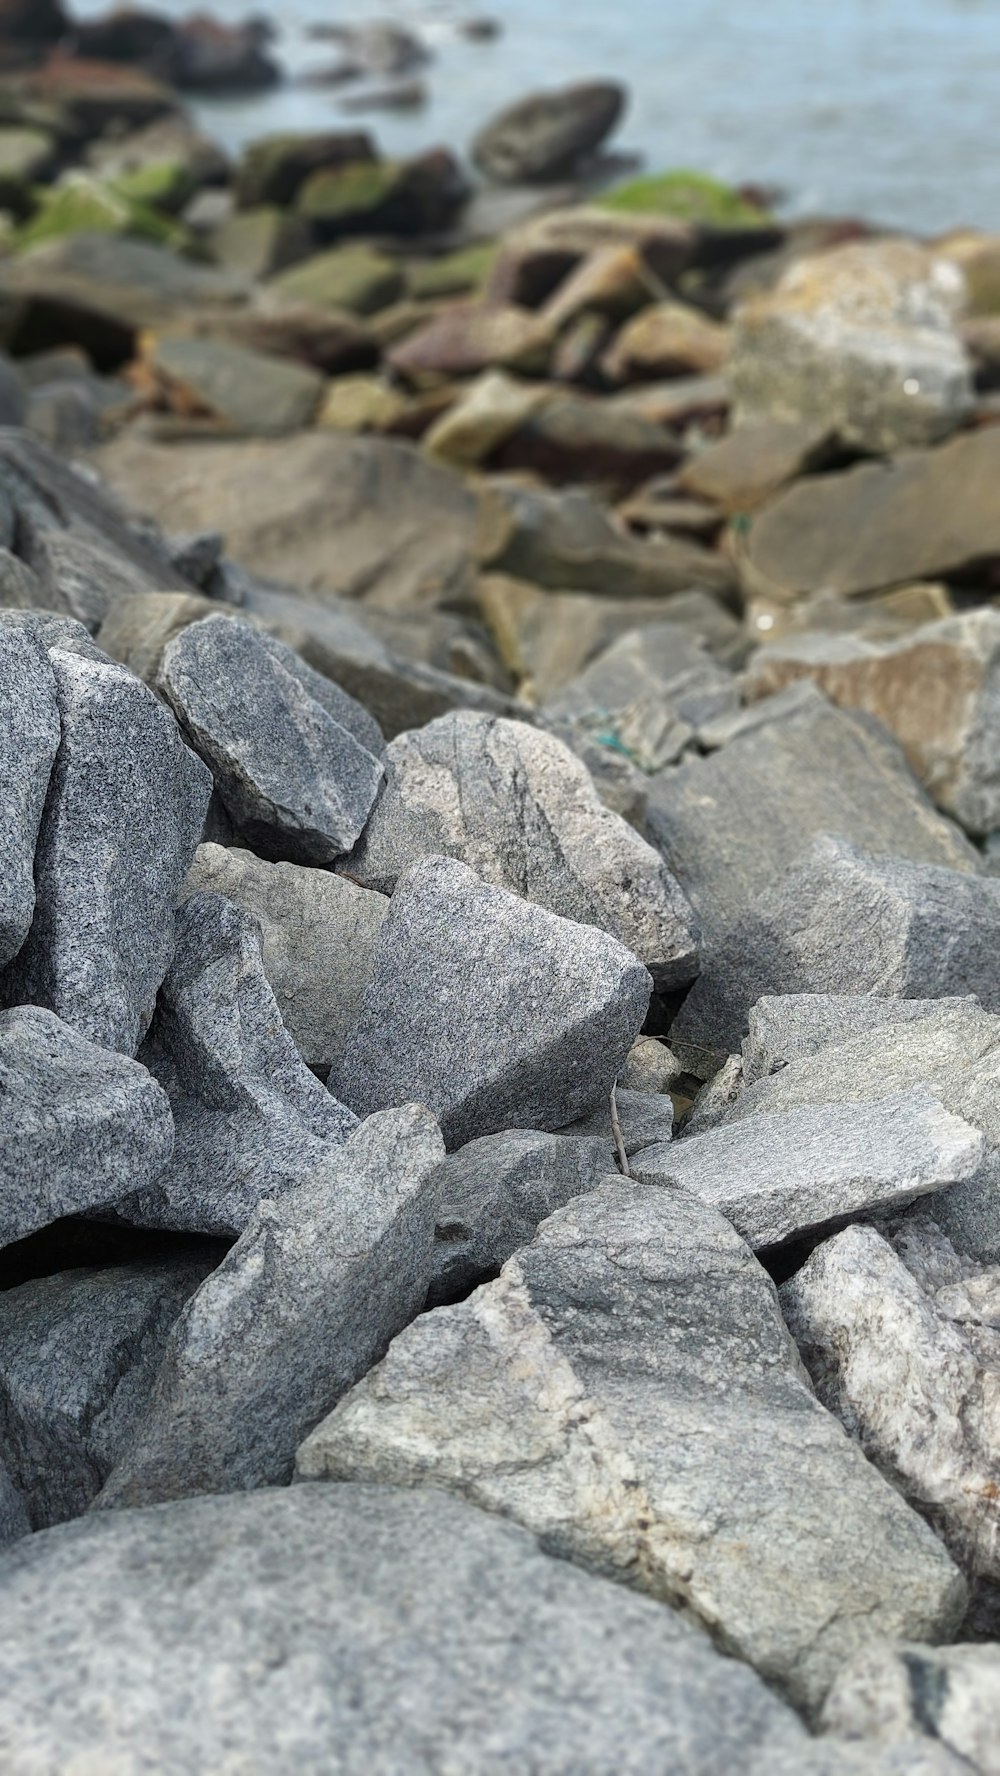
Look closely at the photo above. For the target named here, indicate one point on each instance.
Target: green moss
(456, 274)
(81, 205)
(342, 194)
(161, 185)
(689, 196)
(354, 278)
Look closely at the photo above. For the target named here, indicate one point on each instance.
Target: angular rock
(81, 1124)
(137, 627)
(500, 1656)
(515, 805)
(536, 258)
(249, 392)
(627, 1390)
(650, 1066)
(483, 418)
(307, 1300)
(355, 279)
(546, 135)
(780, 1177)
(125, 811)
(28, 745)
(404, 197)
(937, 690)
(318, 935)
(14, 1519)
(573, 438)
(861, 337)
(667, 339)
(645, 1120)
(494, 1013)
(251, 1120)
(467, 338)
(752, 462)
(906, 1695)
(78, 1355)
(274, 168)
(292, 776)
(794, 1025)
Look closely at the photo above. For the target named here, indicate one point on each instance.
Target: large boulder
(28, 745)
(546, 135)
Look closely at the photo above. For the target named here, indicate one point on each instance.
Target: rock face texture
(515, 805)
(494, 1013)
(27, 751)
(627, 1390)
(906, 1695)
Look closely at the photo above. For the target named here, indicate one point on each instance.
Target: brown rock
(546, 638)
(573, 438)
(702, 401)
(538, 257)
(746, 467)
(577, 353)
(95, 96)
(32, 22)
(545, 135)
(486, 414)
(247, 391)
(613, 281)
(331, 341)
(469, 337)
(137, 629)
(670, 339)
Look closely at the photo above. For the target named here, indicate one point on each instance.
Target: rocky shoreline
(500, 1047)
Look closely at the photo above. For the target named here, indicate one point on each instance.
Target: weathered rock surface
(791, 1026)
(78, 1355)
(522, 811)
(937, 690)
(124, 813)
(545, 135)
(318, 934)
(306, 1301)
(645, 1119)
(747, 466)
(293, 778)
(906, 1695)
(650, 1066)
(494, 1013)
(500, 1656)
(248, 392)
(907, 1354)
(14, 1519)
(776, 1177)
(251, 1120)
(627, 1389)
(81, 1125)
(28, 744)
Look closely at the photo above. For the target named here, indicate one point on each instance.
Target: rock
(173, 150)
(905, 1695)
(515, 805)
(327, 340)
(258, 244)
(796, 1025)
(780, 1177)
(26, 157)
(683, 403)
(318, 935)
(627, 1390)
(668, 339)
(14, 1519)
(355, 279)
(251, 1120)
(78, 203)
(574, 438)
(274, 168)
(493, 1193)
(612, 282)
(910, 1366)
(81, 1124)
(33, 21)
(492, 1012)
(547, 135)
(125, 810)
(381, 47)
(458, 273)
(650, 1066)
(396, 198)
(326, 513)
(840, 921)
(78, 1355)
(501, 1655)
(716, 1098)
(246, 391)
(138, 626)
(929, 515)
(536, 258)
(214, 56)
(90, 97)
(485, 415)
(293, 777)
(28, 745)
(361, 403)
(861, 337)
(753, 462)
(645, 1120)
(695, 197)
(467, 338)
(936, 689)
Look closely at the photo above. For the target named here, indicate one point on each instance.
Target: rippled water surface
(881, 107)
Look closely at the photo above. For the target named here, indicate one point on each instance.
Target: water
(881, 108)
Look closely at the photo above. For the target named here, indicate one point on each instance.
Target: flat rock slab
(124, 814)
(790, 1027)
(627, 1390)
(81, 1125)
(28, 745)
(778, 1177)
(403, 1628)
(250, 1118)
(494, 1013)
(906, 1695)
(248, 391)
(518, 807)
(292, 777)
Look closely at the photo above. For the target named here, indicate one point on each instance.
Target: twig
(616, 1130)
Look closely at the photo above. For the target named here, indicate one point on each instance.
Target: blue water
(882, 108)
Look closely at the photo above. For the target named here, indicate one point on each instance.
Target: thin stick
(616, 1129)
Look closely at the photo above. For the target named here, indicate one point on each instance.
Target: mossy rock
(163, 185)
(688, 196)
(81, 205)
(355, 278)
(455, 274)
(349, 194)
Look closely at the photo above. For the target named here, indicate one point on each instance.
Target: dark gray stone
(78, 1355)
(295, 780)
(125, 810)
(494, 1013)
(306, 1301)
(80, 1125)
(646, 1119)
(251, 1120)
(627, 1389)
(28, 742)
(14, 1519)
(518, 807)
(790, 1026)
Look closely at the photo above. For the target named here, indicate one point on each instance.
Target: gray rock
(907, 1695)
(627, 1389)
(841, 921)
(251, 1120)
(28, 743)
(914, 1374)
(545, 135)
(14, 1519)
(81, 1125)
(790, 1026)
(294, 779)
(494, 1013)
(646, 1119)
(515, 805)
(777, 1177)
(306, 1301)
(125, 810)
(318, 935)
(403, 1630)
(492, 1194)
(78, 1355)
(52, 630)
(650, 1067)
(716, 1097)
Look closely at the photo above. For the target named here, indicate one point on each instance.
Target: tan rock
(537, 257)
(669, 339)
(748, 465)
(360, 404)
(467, 338)
(484, 417)
(614, 281)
